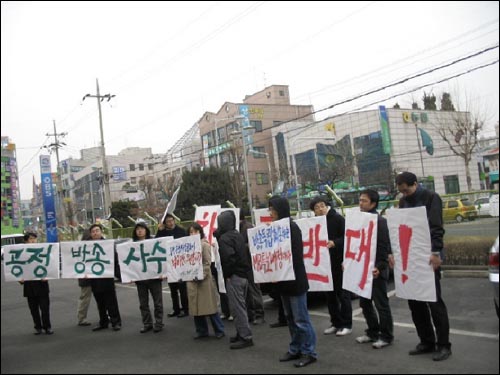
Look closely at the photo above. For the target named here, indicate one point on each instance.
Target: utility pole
(107, 195)
(55, 146)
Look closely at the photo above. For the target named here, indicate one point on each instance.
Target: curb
(465, 273)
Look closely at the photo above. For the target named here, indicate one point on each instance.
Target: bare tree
(461, 134)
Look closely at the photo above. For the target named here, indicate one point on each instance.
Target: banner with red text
(360, 246)
(316, 254)
(411, 246)
(184, 261)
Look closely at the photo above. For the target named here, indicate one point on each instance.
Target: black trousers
(177, 289)
(40, 305)
(422, 313)
(107, 304)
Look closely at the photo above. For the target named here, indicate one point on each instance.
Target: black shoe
(289, 357)
(234, 339)
(49, 331)
(157, 329)
(146, 329)
(117, 327)
(258, 321)
(172, 314)
(99, 328)
(38, 331)
(199, 336)
(421, 349)
(182, 314)
(278, 324)
(305, 360)
(243, 343)
(441, 354)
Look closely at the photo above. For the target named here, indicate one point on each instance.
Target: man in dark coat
(339, 300)
(37, 293)
(294, 294)
(415, 195)
(177, 289)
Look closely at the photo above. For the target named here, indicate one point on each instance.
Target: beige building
(221, 136)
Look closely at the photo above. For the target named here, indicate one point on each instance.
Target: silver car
(493, 271)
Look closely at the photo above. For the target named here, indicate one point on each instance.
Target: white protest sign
(360, 247)
(271, 251)
(218, 267)
(411, 246)
(88, 259)
(206, 216)
(143, 260)
(184, 259)
(262, 216)
(316, 254)
(31, 261)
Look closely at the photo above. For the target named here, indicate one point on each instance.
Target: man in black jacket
(294, 294)
(235, 268)
(37, 293)
(339, 300)
(165, 229)
(415, 195)
(380, 329)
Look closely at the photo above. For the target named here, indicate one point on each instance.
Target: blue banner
(48, 199)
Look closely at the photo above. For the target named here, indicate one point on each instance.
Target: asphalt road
(484, 226)
(74, 349)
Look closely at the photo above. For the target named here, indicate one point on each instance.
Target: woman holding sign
(202, 294)
(144, 287)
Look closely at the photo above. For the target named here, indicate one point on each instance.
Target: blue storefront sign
(48, 199)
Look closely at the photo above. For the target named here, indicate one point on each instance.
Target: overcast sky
(168, 63)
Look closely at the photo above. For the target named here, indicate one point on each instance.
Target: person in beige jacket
(202, 294)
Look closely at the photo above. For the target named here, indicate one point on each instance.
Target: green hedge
(467, 250)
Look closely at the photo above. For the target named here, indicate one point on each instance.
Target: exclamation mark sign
(405, 233)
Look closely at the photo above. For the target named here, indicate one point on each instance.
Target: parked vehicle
(494, 205)
(11, 239)
(493, 272)
(482, 206)
(458, 210)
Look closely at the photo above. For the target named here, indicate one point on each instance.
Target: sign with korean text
(411, 246)
(271, 251)
(184, 261)
(360, 246)
(206, 216)
(218, 267)
(316, 253)
(48, 199)
(143, 260)
(88, 259)
(31, 261)
(262, 216)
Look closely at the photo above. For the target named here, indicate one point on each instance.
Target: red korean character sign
(262, 216)
(316, 253)
(411, 246)
(360, 246)
(206, 216)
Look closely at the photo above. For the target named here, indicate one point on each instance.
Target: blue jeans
(201, 325)
(299, 324)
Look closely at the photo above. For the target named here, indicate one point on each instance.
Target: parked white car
(482, 206)
(494, 205)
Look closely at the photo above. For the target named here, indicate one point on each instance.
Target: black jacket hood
(281, 206)
(226, 222)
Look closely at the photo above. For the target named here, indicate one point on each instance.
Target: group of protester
(200, 298)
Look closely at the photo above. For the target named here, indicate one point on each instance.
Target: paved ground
(74, 349)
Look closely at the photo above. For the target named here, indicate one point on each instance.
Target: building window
(282, 93)
(133, 180)
(262, 178)
(131, 167)
(260, 152)
(150, 166)
(451, 185)
(257, 124)
(141, 167)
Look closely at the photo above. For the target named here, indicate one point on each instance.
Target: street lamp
(294, 140)
(245, 132)
(268, 164)
(216, 134)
